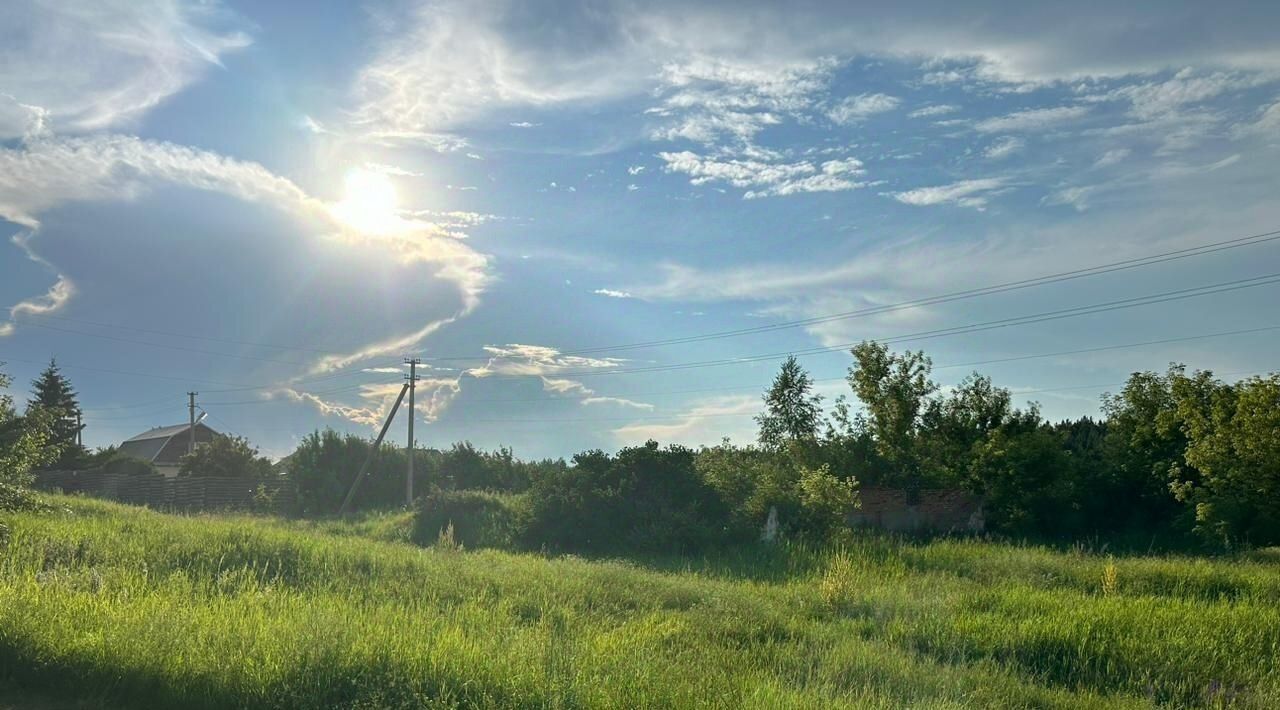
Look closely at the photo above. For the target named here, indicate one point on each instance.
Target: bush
(128, 465)
(645, 499)
(477, 518)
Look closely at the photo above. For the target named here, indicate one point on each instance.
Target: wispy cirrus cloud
(860, 107)
(965, 193)
(767, 179)
(1035, 119)
(84, 66)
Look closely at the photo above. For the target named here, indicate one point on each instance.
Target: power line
(944, 298)
(1111, 267)
(1104, 307)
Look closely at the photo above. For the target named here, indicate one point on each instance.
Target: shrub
(475, 518)
(129, 465)
(643, 499)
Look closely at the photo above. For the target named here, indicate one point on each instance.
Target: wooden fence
(188, 493)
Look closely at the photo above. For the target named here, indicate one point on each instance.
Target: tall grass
(140, 609)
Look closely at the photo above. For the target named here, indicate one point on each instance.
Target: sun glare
(369, 203)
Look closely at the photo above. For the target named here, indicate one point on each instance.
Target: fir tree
(53, 394)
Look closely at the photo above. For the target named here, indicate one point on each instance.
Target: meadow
(125, 607)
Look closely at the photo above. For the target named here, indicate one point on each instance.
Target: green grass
(130, 608)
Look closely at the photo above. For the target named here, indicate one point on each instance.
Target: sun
(369, 203)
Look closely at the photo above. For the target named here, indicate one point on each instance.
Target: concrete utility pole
(412, 362)
(191, 409)
(79, 430)
(377, 443)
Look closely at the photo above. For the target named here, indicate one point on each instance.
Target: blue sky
(274, 203)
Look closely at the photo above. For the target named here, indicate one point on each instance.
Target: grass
(125, 607)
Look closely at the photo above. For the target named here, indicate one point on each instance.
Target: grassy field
(122, 607)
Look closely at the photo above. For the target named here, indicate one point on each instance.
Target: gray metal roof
(148, 445)
(161, 432)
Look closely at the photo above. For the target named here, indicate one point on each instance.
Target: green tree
(1145, 440)
(24, 446)
(954, 425)
(226, 456)
(895, 390)
(1233, 446)
(793, 413)
(52, 392)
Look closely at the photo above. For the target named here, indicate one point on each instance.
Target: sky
(602, 222)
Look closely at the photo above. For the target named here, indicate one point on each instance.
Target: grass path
(140, 609)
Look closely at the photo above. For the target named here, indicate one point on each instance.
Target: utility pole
(412, 362)
(377, 443)
(191, 409)
(79, 430)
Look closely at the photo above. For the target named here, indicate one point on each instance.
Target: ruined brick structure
(931, 510)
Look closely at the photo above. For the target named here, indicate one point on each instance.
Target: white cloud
(965, 193)
(1076, 197)
(765, 179)
(523, 124)
(96, 65)
(612, 293)
(1150, 100)
(635, 169)
(858, 108)
(1004, 148)
(536, 361)
(586, 395)
(934, 110)
(1032, 119)
(620, 401)
(1268, 123)
(707, 420)
(41, 174)
(1112, 157)
(440, 65)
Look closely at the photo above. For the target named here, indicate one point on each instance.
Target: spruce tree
(52, 393)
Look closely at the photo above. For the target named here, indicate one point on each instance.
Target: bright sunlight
(369, 203)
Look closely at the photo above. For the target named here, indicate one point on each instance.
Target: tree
(24, 446)
(954, 425)
(52, 392)
(1233, 434)
(1144, 441)
(225, 456)
(792, 412)
(895, 390)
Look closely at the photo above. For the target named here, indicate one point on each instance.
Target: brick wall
(936, 510)
(188, 493)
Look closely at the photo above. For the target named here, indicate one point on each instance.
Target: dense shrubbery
(472, 518)
(644, 499)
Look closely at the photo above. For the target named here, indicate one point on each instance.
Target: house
(165, 446)
(936, 510)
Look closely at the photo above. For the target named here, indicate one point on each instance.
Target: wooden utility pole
(412, 362)
(191, 410)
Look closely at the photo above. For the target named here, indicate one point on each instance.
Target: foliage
(226, 456)
(475, 518)
(128, 465)
(793, 413)
(894, 389)
(24, 446)
(52, 393)
(643, 499)
(1232, 478)
(138, 609)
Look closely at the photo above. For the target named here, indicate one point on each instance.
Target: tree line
(1176, 457)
